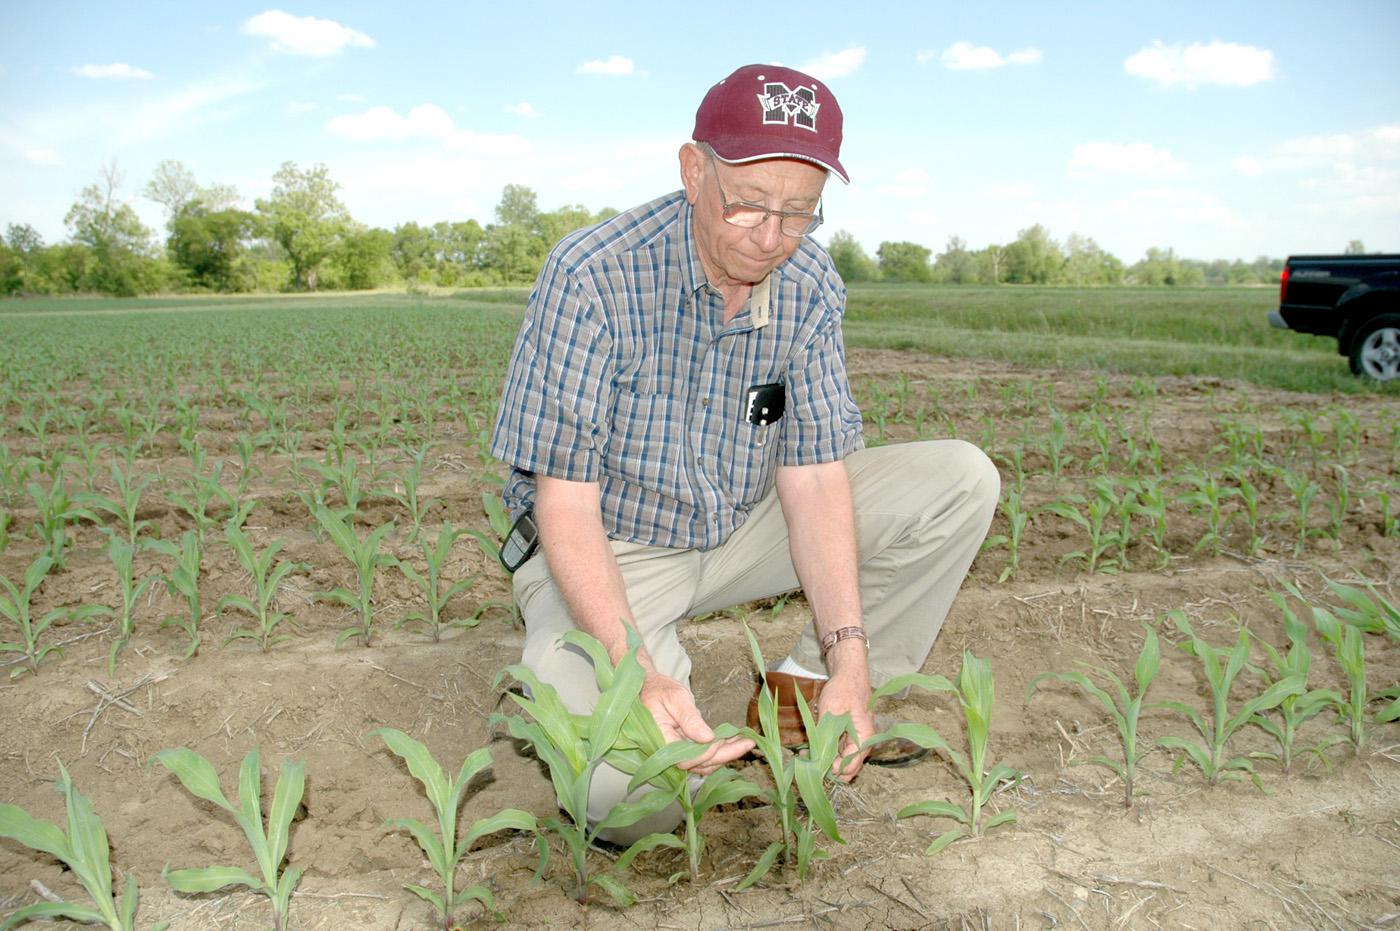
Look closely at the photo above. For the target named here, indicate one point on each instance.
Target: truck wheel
(1375, 352)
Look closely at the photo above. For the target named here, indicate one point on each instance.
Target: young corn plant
(182, 581)
(1370, 613)
(344, 476)
(1094, 519)
(56, 511)
(1354, 709)
(1305, 492)
(642, 751)
(1248, 493)
(1221, 668)
(269, 844)
(1282, 723)
(205, 491)
(1340, 503)
(976, 692)
(1122, 707)
(1206, 499)
(443, 849)
(799, 781)
(1056, 439)
(1151, 503)
(435, 556)
(573, 747)
(405, 492)
(123, 556)
(87, 854)
(124, 504)
(1016, 521)
(267, 575)
(15, 606)
(366, 556)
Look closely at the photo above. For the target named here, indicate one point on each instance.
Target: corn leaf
(212, 879)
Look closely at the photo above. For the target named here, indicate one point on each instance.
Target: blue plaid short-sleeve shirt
(624, 373)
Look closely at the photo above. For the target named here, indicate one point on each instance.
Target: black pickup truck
(1355, 298)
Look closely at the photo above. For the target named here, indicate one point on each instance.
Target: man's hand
(848, 692)
(673, 707)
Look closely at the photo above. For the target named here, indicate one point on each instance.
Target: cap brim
(831, 165)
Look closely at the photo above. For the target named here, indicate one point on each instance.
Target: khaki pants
(921, 510)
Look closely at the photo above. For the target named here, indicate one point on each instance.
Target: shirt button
(704, 402)
(699, 461)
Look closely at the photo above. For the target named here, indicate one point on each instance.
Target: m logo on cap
(783, 105)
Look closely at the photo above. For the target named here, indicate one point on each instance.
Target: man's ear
(692, 160)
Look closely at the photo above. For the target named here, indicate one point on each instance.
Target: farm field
(1153, 491)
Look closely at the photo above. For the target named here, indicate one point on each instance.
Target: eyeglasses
(746, 215)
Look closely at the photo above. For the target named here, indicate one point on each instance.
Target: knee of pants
(608, 789)
(960, 464)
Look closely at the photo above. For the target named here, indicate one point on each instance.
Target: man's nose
(769, 234)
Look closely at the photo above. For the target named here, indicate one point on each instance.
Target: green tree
(304, 216)
(1034, 258)
(363, 258)
(413, 252)
(11, 270)
(211, 246)
(25, 246)
(458, 252)
(1087, 264)
(955, 265)
(118, 240)
(904, 261)
(1164, 267)
(851, 261)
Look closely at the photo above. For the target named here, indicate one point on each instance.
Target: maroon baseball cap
(767, 111)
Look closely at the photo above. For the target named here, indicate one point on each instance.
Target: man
(677, 415)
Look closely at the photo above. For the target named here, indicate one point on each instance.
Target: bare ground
(1317, 848)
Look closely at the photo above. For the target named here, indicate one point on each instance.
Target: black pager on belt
(521, 542)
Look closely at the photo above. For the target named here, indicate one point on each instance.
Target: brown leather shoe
(785, 687)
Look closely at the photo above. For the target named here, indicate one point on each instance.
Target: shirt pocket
(753, 460)
(645, 441)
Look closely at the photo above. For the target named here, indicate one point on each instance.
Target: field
(1156, 455)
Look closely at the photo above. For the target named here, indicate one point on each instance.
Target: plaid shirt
(625, 373)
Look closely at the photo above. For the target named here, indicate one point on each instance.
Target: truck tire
(1375, 350)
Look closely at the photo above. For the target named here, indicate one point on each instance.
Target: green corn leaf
(43, 836)
(650, 842)
(916, 680)
(475, 894)
(427, 840)
(723, 787)
(763, 866)
(420, 762)
(88, 840)
(432, 898)
(659, 762)
(810, 774)
(131, 898)
(614, 888)
(625, 814)
(212, 879)
(286, 798)
(936, 809)
(1148, 662)
(943, 840)
(41, 911)
(509, 819)
(614, 704)
(196, 774)
(250, 816)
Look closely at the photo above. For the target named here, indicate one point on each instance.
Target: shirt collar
(760, 300)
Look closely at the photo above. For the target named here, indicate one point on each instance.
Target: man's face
(733, 254)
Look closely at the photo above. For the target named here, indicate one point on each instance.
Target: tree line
(301, 237)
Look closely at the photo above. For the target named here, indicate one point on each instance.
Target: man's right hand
(673, 707)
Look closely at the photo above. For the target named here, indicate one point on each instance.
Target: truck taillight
(1283, 286)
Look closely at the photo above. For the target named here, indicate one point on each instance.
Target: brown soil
(1319, 847)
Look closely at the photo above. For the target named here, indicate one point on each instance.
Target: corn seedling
(573, 747)
(1056, 439)
(269, 844)
(56, 511)
(1354, 707)
(435, 556)
(85, 851)
(1093, 519)
(1248, 493)
(443, 849)
(1122, 707)
(124, 505)
(1340, 503)
(123, 556)
(405, 492)
(1221, 668)
(798, 780)
(1372, 613)
(976, 693)
(267, 578)
(205, 489)
(1283, 722)
(183, 581)
(15, 606)
(366, 557)
(1206, 499)
(1305, 492)
(1150, 501)
(1016, 521)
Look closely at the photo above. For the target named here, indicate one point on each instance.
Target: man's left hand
(848, 692)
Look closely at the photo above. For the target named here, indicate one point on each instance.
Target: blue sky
(1222, 130)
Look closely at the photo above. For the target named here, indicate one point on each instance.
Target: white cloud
(1224, 63)
(118, 71)
(829, 65)
(300, 106)
(1137, 158)
(614, 64)
(42, 157)
(925, 218)
(304, 35)
(964, 56)
(522, 109)
(1011, 191)
(909, 183)
(1181, 205)
(1247, 166)
(426, 121)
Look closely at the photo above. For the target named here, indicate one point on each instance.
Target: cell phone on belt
(521, 543)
